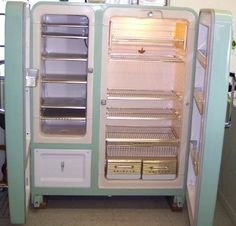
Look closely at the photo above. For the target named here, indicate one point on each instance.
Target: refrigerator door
(17, 109)
(208, 117)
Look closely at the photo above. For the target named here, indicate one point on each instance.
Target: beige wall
(217, 4)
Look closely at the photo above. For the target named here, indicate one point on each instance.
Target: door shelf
(146, 57)
(128, 94)
(64, 78)
(64, 57)
(202, 59)
(199, 99)
(71, 103)
(142, 114)
(161, 135)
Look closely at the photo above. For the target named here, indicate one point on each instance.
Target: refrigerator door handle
(229, 122)
(31, 77)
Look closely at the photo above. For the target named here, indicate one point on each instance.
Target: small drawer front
(123, 169)
(62, 168)
(160, 169)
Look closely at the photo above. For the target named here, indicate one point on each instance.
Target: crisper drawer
(123, 169)
(162, 168)
(62, 168)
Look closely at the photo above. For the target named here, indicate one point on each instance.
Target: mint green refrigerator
(115, 100)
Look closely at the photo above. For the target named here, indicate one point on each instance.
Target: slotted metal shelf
(139, 113)
(64, 57)
(140, 150)
(64, 78)
(141, 134)
(146, 57)
(124, 94)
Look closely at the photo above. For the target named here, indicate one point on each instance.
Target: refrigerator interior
(198, 116)
(63, 74)
(144, 88)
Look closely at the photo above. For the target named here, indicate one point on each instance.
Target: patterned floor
(4, 210)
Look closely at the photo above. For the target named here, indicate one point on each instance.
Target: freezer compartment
(123, 169)
(162, 168)
(62, 45)
(63, 67)
(70, 31)
(63, 127)
(63, 90)
(64, 37)
(62, 20)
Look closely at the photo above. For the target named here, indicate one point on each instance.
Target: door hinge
(31, 77)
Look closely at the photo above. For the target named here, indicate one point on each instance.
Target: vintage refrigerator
(115, 100)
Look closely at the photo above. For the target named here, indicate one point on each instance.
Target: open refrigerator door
(209, 107)
(17, 97)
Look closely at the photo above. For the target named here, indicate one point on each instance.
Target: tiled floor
(125, 211)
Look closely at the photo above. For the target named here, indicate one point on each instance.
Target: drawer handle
(123, 166)
(62, 166)
(159, 168)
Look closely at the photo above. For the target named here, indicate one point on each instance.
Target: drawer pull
(62, 166)
(159, 168)
(123, 166)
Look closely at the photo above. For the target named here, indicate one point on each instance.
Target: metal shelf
(64, 57)
(144, 114)
(63, 35)
(64, 78)
(66, 25)
(147, 41)
(146, 57)
(128, 94)
(71, 103)
(160, 135)
(63, 114)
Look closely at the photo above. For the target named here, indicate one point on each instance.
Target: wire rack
(141, 134)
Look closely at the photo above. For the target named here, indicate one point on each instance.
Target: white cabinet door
(62, 168)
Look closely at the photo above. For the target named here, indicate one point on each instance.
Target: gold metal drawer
(163, 168)
(123, 169)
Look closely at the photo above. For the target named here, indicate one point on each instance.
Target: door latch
(31, 77)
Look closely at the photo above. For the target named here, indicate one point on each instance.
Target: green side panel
(215, 117)
(14, 93)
